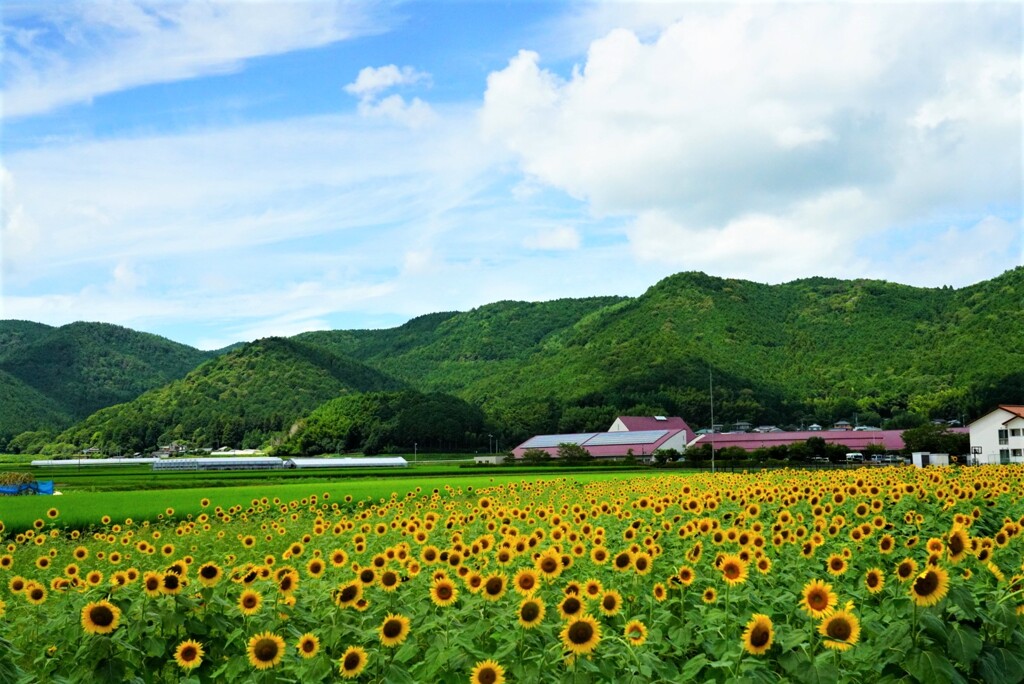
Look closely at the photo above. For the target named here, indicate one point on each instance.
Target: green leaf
(999, 665)
(964, 602)
(963, 644)
(693, 667)
(929, 667)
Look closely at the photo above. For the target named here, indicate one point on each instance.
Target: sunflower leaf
(999, 665)
(929, 667)
(963, 644)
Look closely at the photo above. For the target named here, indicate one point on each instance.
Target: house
(639, 435)
(741, 426)
(998, 436)
(642, 423)
(842, 425)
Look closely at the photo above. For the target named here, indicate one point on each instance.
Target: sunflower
(348, 594)
(571, 606)
(906, 569)
(710, 595)
(394, 630)
(759, 635)
(549, 565)
(249, 602)
(525, 581)
(265, 650)
(734, 570)
(151, 584)
(958, 545)
(487, 672)
(837, 564)
(611, 602)
(352, 662)
(210, 574)
(443, 592)
(592, 588)
(100, 617)
(189, 654)
(531, 612)
(874, 580)
(315, 567)
(170, 584)
(308, 645)
(622, 561)
(635, 633)
(494, 587)
(818, 598)
(642, 563)
(581, 635)
(389, 580)
(686, 575)
(930, 587)
(841, 630)
(35, 593)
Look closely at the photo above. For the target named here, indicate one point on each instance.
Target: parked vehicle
(854, 457)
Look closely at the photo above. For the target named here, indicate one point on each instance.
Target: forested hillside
(813, 350)
(77, 369)
(374, 421)
(239, 399)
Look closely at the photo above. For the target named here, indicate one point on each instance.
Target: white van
(854, 457)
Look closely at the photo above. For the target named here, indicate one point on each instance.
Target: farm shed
(76, 462)
(357, 462)
(220, 463)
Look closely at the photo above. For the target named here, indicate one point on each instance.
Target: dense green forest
(376, 421)
(812, 350)
(239, 399)
(51, 377)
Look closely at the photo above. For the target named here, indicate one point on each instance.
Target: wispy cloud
(83, 49)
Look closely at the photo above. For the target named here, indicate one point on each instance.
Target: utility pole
(711, 392)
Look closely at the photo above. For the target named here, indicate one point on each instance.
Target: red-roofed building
(642, 423)
(998, 436)
(892, 440)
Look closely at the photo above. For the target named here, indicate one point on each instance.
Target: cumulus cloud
(373, 80)
(82, 49)
(758, 130)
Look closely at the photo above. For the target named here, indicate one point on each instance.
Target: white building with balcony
(998, 437)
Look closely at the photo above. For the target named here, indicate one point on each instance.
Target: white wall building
(998, 437)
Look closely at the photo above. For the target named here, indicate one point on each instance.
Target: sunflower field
(879, 575)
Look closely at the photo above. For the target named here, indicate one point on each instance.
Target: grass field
(147, 496)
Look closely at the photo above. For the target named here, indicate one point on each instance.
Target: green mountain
(239, 399)
(372, 421)
(24, 409)
(812, 350)
(77, 369)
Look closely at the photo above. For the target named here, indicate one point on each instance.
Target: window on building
(1017, 453)
(1015, 432)
(1004, 436)
(1004, 455)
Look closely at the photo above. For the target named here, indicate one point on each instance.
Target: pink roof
(640, 449)
(639, 423)
(892, 440)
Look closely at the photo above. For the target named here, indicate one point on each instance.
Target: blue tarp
(44, 487)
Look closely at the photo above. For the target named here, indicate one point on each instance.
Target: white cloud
(372, 81)
(745, 130)
(554, 239)
(414, 114)
(85, 49)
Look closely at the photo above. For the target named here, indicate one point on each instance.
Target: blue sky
(223, 171)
